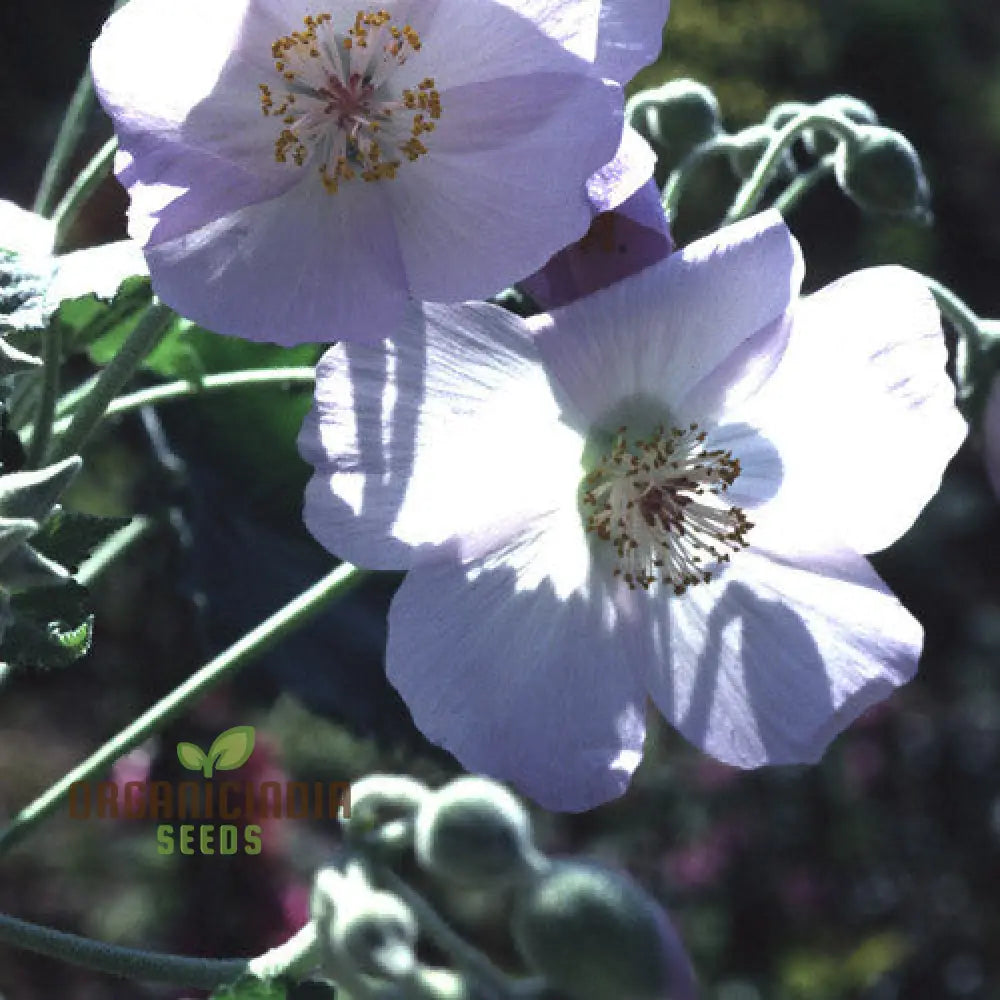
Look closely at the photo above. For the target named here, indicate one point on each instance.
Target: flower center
(659, 503)
(339, 104)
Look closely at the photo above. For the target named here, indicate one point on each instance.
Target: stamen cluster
(658, 502)
(338, 99)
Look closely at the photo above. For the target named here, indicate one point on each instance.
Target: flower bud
(382, 809)
(474, 831)
(595, 935)
(881, 172)
(372, 929)
(746, 148)
(818, 141)
(675, 117)
(378, 935)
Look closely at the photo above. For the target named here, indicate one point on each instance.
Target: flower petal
(515, 679)
(630, 36)
(861, 408)
(450, 432)
(661, 331)
(498, 145)
(296, 268)
(770, 661)
(629, 230)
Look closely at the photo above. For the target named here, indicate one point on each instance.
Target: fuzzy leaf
(49, 627)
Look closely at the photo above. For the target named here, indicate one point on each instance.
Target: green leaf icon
(232, 748)
(191, 756)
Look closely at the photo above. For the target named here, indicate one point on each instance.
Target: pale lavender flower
(659, 491)
(629, 230)
(301, 170)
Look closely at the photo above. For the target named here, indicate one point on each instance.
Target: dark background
(873, 875)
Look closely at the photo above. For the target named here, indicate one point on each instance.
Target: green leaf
(69, 537)
(176, 356)
(49, 627)
(232, 748)
(191, 756)
(249, 987)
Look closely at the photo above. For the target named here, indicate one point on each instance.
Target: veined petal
(629, 36)
(770, 661)
(519, 676)
(289, 270)
(497, 146)
(661, 331)
(861, 407)
(451, 432)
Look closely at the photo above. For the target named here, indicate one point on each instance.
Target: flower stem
(802, 185)
(293, 958)
(194, 973)
(86, 183)
(967, 325)
(208, 384)
(139, 343)
(678, 180)
(752, 190)
(266, 634)
(42, 432)
(73, 124)
(111, 548)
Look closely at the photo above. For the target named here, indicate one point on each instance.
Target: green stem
(111, 548)
(468, 958)
(967, 326)
(209, 384)
(72, 128)
(86, 183)
(193, 973)
(678, 180)
(42, 432)
(802, 185)
(73, 124)
(140, 342)
(753, 188)
(255, 642)
(293, 958)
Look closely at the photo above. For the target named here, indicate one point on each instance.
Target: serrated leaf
(232, 748)
(49, 627)
(191, 756)
(251, 988)
(69, 537)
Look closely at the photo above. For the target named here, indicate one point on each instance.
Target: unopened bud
(374, 930)
(476, 832)
(382, 810)
(881, 173)
(595, 935)
(675, 117)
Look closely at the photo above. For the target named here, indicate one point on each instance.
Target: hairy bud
(474, 831)
(881, 172)
(595, 935)
(675, 117)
